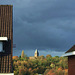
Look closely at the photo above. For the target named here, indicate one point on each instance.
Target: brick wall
(71, 65)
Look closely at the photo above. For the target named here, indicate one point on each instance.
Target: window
(1, 46)
(2, 39)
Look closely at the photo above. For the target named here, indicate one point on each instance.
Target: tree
(41, 57)
(19, 56)
(46, 71)
(22, 55)
(52, 65)
(51, 72)
(48, 56)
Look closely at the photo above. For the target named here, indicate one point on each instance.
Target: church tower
(36, 53)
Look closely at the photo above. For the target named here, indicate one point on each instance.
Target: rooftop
(6, 5)
(70, 52)
(71, 49)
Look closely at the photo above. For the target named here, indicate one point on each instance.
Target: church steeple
(36, 53)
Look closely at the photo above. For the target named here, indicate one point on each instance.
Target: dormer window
(2, 39)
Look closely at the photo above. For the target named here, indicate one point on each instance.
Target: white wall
(6, 73)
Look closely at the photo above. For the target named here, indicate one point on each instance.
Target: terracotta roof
(71, 49)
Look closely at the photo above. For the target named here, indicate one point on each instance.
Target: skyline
(41, 52)
(43, 24)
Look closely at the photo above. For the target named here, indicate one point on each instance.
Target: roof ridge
(71, 49)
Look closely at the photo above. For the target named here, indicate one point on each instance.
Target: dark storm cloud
(40, 11)
(43, 24)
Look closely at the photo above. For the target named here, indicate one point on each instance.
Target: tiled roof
(71, 49)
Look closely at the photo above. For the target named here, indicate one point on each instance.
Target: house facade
(6, 38)
(71, 60)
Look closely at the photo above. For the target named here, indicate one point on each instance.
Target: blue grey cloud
(43, 24)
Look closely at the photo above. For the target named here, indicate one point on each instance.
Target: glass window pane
(1, 46)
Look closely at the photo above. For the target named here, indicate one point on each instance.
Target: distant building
(71, 60)
(32, 57)
(15, 57)
(36, 53)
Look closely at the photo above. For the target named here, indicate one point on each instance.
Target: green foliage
(52, 65)
(41, 70)
(16, 72)
(40, 65)
(24, 72)
(60, 72)
(19, 56)
(57, 56)
(41, 57)
(48, 56)
(63, 62)
(46, 71)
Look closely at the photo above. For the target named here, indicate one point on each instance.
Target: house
(71, 60)
(6, 39)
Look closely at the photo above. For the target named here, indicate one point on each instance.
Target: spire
(36, 51)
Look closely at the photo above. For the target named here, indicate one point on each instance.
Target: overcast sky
(43, 24)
